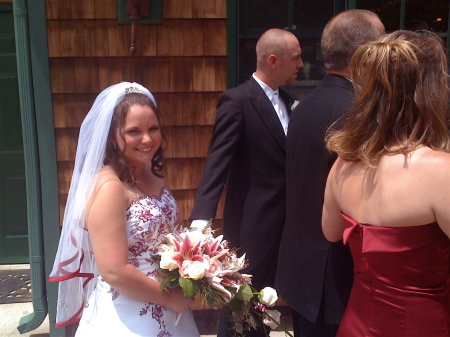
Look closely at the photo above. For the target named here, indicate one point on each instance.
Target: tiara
(133, 90)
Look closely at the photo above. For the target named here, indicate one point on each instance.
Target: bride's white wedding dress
(109, 313)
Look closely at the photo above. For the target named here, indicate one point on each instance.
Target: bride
(118, 210)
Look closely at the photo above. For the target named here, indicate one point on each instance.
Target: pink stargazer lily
(215, 282)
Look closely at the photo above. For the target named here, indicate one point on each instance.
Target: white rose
(167, 261)
(199, 225)
(269, 296)
(195, 236)
(194, 269)
(270, 317)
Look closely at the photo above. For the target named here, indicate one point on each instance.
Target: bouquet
(206, 265)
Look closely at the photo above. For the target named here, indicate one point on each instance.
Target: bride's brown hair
(401, 88)
(114, 155)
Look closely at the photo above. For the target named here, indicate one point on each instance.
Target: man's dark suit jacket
(247, 151)
(303, 276)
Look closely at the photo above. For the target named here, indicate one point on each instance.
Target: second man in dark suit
(248, 152)
(314, 276)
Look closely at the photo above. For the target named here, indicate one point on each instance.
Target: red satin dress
(401, 284)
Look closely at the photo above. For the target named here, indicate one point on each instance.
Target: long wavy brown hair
(401, 88)
(114, 155)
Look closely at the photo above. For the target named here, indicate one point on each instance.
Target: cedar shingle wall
(182, 61)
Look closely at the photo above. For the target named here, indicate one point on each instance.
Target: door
(13, 203)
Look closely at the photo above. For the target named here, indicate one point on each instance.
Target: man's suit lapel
(287, 99)
(267, 113)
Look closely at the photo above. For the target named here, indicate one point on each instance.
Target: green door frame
(40, 158)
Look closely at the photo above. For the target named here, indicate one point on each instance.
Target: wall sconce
(136, 9)
(136, 12)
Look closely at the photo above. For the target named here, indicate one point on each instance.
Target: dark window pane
(388, 11)
(263, 14)
(312, 58)
(430, 14)
(312, 14)
(247, 59)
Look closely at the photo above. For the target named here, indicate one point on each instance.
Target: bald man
(315, 276)
(248, 152)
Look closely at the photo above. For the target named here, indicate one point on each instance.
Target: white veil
(74, 265)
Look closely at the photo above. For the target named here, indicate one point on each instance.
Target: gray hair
(344, 33)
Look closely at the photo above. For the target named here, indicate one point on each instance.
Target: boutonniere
(293, 103)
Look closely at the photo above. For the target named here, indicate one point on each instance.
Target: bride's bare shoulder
(107, 173)
(108, 182)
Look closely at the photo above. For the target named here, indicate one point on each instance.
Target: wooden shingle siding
(175, 37)
(182, 61)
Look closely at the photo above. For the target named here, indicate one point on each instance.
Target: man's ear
(273, 60)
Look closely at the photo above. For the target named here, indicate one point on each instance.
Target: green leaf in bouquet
(254, 322)
(169, 279)
(188, 286)
(212, 301)
(169, 282)
(245, 292)
(236, 305)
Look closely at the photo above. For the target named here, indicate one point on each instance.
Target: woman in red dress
(388, 194)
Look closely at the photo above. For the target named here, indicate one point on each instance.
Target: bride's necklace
(138, 190)
(143, 184)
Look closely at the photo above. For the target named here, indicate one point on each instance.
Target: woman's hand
(177, 302)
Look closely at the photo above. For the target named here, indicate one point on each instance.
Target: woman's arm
(106, 222)
(440, 180)
(332, 221)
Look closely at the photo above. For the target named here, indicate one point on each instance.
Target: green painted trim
(402, 14)
(232, 42)
(290, 14)
(40, 157)
(352, 4)
(47, 150)
(35, 319)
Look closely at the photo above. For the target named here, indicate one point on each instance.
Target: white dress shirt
(277, 102)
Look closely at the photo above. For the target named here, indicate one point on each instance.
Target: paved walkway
(10, 315)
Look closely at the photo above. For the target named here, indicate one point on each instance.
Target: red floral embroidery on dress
(157, 312)
(148, 219)
(115, 293)
(164, 334)
(138, 248)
